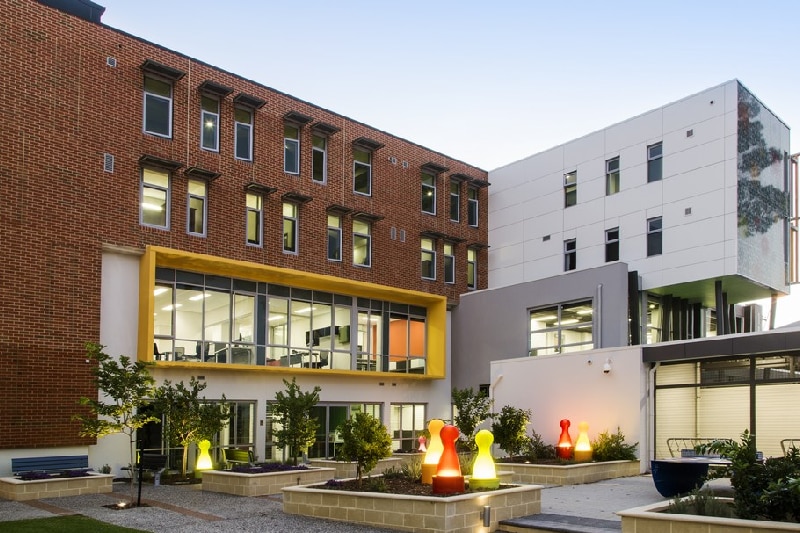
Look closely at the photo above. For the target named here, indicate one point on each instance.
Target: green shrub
(509, 428)
(611, 447)
(538, 449)
(365, 441)
(702, 503)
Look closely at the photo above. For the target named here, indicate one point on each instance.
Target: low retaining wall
(18, 490)
(242, 484)
(649, 518)
(572, 474)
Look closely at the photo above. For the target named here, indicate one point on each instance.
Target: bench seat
(50, 463)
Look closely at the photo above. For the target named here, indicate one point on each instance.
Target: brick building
(185, 215)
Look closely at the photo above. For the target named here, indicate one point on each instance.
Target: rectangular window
(209, 123)
(157, 107)
(319, 159)
(428, 259)
(291, 149)
(334, 238)
(472, 268)
(653, 236)
(197, 207)
(255, 217)
(654, 155)
(571, 188)
(455, 200)
(362, 171)
(362, 243)
(449, 263)
(570, 254)
(290, 227)
(243, 119)
(472, 207)
(612, 245)
(428, 194)
(612, 176)
(561, 328)
(406, 422)
(154, 207)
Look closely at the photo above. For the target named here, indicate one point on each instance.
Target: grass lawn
(63, 524)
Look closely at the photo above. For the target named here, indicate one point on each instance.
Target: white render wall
(526, 200)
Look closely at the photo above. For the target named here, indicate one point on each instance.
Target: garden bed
(347, 469)
(261, 484)
(653, 519)
(16, 489)
(570, 474)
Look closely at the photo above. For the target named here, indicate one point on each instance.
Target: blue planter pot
(675, 477)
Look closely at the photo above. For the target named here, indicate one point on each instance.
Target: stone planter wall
(574, 474)
(650, 519)
(18, 490)
(454, 514)
(348, 469)
(242, 484)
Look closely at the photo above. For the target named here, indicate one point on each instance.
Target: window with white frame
(334, 237)
(196, 212)
(243, 128)
(472, 268)
(455, 200)
(612, 245)
(290, 227)
(362, 171)
(612, 176)
(291, 148)
(654, 160)
(561, 328)
(362, 243)
(209, 123)
(319, 159)
(255, 218)
(157, 106)
(570, 188)
(154, 206)
(654, 232)
(407, 422)
(428, 193)
(428, 258)
(570, 254)
(449, 263)
(472, 207)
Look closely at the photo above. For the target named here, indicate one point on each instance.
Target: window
(243, 119)
(362, 243)
(449, 264)
(406, 421)
(157, 107)
(362, 171)
(472, 207)
(653, 236)
(209, 123)
(154, 208)
(319, 159)
(570, 255)
(561, 328)
(654, 154)
(290, 227)
(472, 268)
(334, 237)
(455, 200)
(428, 259)
(428, 194)
(612, 245)
(255, 217)
(571, 188)
(612, 176)
(197, 207)
(291, 149)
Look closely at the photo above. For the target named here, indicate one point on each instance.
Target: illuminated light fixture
(569, 321)
(170, 307)
(434, 453)
(546, 317)
(583, 447)
(306, 309)
(277, 317)
(422, 446)
(448, 478)
(484, 474)
(585, 312)
(159, 290)
(564, 446)
(150, 207)
(204, 459)
(198, 297)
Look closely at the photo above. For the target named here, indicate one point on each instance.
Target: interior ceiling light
(159, 290)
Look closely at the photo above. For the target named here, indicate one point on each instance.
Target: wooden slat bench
(234, 456)
(50, 463)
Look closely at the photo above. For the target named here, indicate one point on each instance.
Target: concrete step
(558, 523)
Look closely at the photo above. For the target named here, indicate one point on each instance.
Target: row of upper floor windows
(654, 244)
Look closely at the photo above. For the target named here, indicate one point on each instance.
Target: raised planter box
(574, 474)
(453, 514)
(651, 519)
(18, 490)
(242, 484)
(345, 469)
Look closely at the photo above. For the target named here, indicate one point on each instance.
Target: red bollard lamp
(448, 478)
(564, 446)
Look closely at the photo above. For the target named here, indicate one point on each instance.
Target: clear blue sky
(487, 83)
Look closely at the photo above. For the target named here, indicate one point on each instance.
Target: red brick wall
(63, 108)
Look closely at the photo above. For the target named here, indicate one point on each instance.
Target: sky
(488, 83)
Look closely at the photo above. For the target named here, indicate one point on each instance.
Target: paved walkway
(185, 509)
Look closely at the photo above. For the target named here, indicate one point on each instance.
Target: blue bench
(51, 463)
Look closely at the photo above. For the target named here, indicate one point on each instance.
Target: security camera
(607, 366)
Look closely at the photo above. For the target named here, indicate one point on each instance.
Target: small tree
(471, 410)
(188, 417)
(509, 429)
(292, 410)
(365, 441)
(126, 387)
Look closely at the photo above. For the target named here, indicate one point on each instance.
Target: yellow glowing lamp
(484, 474)
(583, 448)
(204, 459)
(434, 452)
